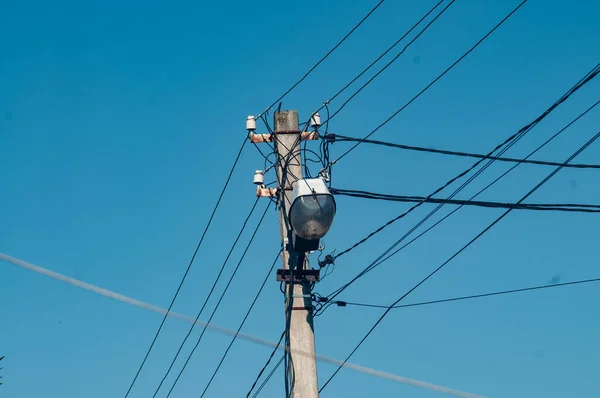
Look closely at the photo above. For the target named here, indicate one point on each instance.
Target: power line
(341, 138)
(566, 207)
(219, 329)
(220, 298)
(386, 255)
(325, 144)
(470, 297)
(463, 248)
(187, 269)
(507, 144)
(269, 376)
(266, 364)
(242, 323)
(212, 289)
(382, 259)
(432, 82)
(365, 70)
(323, 58)
(391, 61)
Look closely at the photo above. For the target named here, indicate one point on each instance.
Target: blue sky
(119, 122)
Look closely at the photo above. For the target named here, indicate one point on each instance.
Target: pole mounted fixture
(259, 178)
(315, 120)
(307, 219)
(251, 124)
(311, 213)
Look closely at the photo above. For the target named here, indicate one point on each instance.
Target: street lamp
(311, 213)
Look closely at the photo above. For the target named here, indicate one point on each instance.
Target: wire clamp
(328, 260)
(298, 276)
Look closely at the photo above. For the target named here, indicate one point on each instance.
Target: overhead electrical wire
(269, 376)
(266, 364)
(324, 145)
(212, 289)
(215, 309)
(218, 329)
(457, 253)
(235, 162)
(262, 115)
(260, 289)
(347, 101)
(566, 207)
(433, 81)
(341, 138)
(323, 58)
(507, 144)
(340, 303)
(388, 256)
(365, 70)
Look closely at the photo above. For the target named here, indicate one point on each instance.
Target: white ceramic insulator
(259, 177)
(251, 123)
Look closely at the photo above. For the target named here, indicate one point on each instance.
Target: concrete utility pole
(287, 139)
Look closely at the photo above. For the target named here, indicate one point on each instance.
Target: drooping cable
(266, 364)
(365, 70)
(469, 297)
(220, 298)
(212, 289)
(260, 289)
(344, 154)
(324, 57)
(376, 75)
(269, 376)
(214, 211)
(463, 248)
(506, 144)
(387, 256)
(341, 138)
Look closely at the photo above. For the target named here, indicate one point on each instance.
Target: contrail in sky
(219, 329)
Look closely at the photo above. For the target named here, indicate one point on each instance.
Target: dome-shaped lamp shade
(312, 210)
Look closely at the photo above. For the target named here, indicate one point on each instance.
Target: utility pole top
(286, 121)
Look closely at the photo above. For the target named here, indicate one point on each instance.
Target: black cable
(269, 376)
(567, 207)
(474, 296)
(324, 57)
(434, 81)
(242, 323)
(212, 289)
(506, 144)
(381, 259)
(220, 298)
(266, 364)
(340, 138)
(463, 248)
(393, 59)
(187, 269)
(365, 70)
(307, 159)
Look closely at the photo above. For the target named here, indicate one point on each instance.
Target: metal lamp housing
(313, 209)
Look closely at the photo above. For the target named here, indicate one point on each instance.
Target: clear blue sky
(119, 122)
